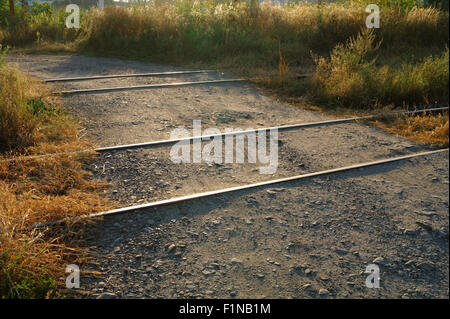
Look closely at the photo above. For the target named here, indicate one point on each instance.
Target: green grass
(28, 116)
(351, 77)
(24, 284)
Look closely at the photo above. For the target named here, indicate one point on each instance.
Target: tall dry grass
(426, 128)
(238, 35)
(350, 77)
(243, 35)
(40, 189)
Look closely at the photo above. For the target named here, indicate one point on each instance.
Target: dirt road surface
(305, 239)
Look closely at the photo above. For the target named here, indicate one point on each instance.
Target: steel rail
(98, 77)
(147, 86)
(189, 138)
(243, 187)
(279, 128)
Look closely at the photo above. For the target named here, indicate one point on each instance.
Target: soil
(307, 239)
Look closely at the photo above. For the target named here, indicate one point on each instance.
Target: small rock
(235, 261)
(171, 248)
(297, 268)
(308, 288)
(425, 226)
(101, 284)
(324, 277)
(380, 261)
(215, 265)
(410, 263)
(323, 292)
(208, 272)
(411, 232)
(350, 283)
(190, 285)
(427, 213)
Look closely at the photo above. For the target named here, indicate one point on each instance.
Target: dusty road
(298, 240)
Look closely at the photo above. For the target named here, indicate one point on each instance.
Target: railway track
(112, 76)
(166, 142)
(147, 86)
(281, 128)
(180, 199)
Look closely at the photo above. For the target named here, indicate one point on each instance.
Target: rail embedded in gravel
(147, 86)
(243, 187)
(112, 76)
(279, 128)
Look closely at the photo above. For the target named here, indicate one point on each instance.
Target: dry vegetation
(427, 128)
(38, 190)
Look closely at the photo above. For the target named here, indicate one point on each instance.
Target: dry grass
(38, 190)
(427, 128)
(351, 77)
(240, 36)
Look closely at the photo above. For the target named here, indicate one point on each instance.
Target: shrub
(351, 77)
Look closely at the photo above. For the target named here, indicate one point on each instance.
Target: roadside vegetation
(402, 64)
(38, 190)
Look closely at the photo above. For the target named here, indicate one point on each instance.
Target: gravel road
(308, 239)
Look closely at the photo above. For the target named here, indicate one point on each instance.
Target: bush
(351, 77)
(39, 8)
(4, 11)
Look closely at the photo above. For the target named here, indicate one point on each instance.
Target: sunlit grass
(38, 190)
(428, 128)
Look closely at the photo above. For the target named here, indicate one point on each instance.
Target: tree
(11, 7)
